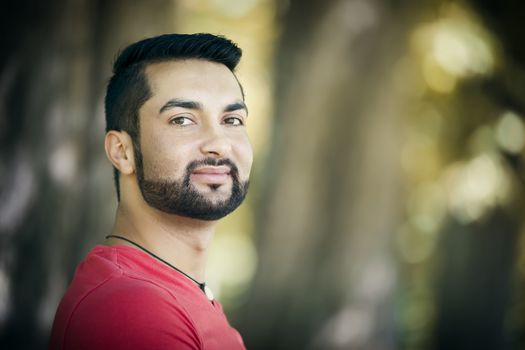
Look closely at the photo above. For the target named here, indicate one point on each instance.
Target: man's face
(195, 154)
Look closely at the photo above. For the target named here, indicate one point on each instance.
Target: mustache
(234, 171)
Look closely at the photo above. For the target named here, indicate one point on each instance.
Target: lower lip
(210, 178)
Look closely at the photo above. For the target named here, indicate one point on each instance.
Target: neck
(182, 242)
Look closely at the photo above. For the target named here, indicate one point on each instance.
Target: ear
(119, 150)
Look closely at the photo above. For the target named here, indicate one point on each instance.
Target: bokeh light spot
(510, 133)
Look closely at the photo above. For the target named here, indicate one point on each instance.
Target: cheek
(245, 156)
(163, 157)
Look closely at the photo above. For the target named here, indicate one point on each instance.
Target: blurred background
(387, 197)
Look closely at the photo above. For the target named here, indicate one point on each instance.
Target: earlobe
(119, 150)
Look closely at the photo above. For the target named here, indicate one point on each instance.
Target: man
(176, 137)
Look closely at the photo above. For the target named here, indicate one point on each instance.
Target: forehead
(192, 78)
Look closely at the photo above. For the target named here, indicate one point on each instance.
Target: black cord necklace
(202, 285)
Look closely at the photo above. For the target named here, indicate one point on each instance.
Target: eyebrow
(236, 107)
(177, 102)
(187, 104)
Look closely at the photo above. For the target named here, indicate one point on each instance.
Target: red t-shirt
(122, 298)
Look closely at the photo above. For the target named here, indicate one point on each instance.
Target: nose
(215, 143)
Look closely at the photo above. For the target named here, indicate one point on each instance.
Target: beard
(180, 197)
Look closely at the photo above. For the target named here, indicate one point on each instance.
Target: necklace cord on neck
(202, 285)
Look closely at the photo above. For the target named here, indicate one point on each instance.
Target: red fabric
(122, 298)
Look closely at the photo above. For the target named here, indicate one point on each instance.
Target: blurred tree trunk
(327, 270)
(474, 286)
(56, 198)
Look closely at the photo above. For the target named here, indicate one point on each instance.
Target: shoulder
(133, 313)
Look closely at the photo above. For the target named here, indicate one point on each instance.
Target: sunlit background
(387, 195)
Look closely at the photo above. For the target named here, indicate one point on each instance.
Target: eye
(181, 121)
(234, 121)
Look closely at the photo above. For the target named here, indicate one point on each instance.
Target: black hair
(128, 88)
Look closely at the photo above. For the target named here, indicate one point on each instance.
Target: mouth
(211, 174)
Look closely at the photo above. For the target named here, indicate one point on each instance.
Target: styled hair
(128, 88)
